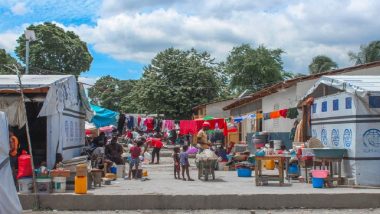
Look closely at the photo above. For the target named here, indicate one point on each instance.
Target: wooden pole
(37, 202)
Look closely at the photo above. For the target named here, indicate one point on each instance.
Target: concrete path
(228, 191)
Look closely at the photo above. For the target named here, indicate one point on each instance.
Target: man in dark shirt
(114, 151)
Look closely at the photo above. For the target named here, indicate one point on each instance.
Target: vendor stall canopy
(359, 85)
(103, 117)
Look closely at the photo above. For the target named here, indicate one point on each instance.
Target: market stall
(345, 115)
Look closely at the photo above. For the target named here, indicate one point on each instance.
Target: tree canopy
(368, 53)
(322, 63)
(7, 60)
(176, 81)
(55, 51)
(253, 68)
(111, 93)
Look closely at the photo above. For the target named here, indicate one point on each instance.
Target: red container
(24, 165)
(320, 173)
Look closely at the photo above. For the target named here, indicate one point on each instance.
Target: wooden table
(260, 177)
(327, 163)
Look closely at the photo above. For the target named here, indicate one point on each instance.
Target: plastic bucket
(43, 185)
(293, 169)
(320, 173)
(25, 185)
(120, 171)
(59, 184)
(269, 165)
(244, 172)
(318, 182)
(113, 170)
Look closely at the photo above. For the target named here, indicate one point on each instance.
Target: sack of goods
(207, 154)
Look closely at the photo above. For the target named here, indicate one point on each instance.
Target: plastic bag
(192, 150)
(147, 156)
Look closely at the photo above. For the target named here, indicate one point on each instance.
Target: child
(135, 159)
(184, 160)
(177, 163)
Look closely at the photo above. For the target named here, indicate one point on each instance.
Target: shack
(346, 114)
(56, 108)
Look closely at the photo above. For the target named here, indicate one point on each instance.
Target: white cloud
(304, 29)
(19, 8)
(8, 40)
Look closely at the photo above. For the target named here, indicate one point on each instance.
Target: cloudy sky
(123, 35)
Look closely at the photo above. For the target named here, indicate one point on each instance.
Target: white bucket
(43, 185)
(120, 171)
(277, 144)
(59, 184)
(25, 185)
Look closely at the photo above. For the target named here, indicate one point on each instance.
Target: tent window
(324, 106)
(374, 101)
(314, 108)
(348, 102)
(335, 105)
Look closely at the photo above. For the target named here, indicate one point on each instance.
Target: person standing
(202, 137)
(135, 159)
(13, 151)
(184, 160)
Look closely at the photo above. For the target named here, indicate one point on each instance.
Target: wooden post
(37, 203)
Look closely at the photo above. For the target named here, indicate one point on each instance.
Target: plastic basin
(244, 172)
(320, 173)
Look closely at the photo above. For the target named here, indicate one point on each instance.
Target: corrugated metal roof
(359, 85)
(288, 83)
(30, 81)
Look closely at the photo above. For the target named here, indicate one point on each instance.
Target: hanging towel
(292, 113)
(283, 112)
(238, 119)
(187, 127)
(266, 116)
(274, 114)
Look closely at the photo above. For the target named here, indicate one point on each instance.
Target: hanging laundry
(292, 113)
(238, 119)
(216, 123)
(187, 127)
(266, 116)
(149, 123)
(135, 122)
(139, 121)
(252, 116)
(259, 116)
(283, 112)
(274, 114)
(167, 125)
(130, 123)
(199, 124)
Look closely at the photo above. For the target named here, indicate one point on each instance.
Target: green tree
(7, 60)
(110, 92)
(321, 63)
(252, 69)
(176, 81)
(55, 51)
(368, 53)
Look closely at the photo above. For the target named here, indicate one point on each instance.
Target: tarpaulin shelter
(56, 107)
(103, 117)
(346, 114)
(9, 201)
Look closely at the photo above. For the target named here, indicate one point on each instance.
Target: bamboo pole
(37, 202)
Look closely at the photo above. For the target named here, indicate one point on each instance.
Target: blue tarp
(103, 117)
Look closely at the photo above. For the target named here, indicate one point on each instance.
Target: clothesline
(290, 113)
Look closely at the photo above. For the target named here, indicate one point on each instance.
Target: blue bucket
(293, 169)
(318, 182)
(114, 170)
(244, 172)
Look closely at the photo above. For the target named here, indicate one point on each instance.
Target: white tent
(9, 201)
